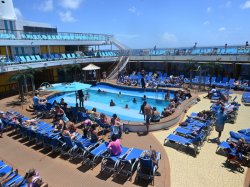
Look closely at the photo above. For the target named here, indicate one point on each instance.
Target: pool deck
(207, 168)
(177, 168)
(59, 171)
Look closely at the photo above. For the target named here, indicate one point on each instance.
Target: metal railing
(22, 35)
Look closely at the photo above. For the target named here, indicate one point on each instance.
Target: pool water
(69, 87)
(101, 101)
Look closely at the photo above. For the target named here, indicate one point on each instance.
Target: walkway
(207, 169)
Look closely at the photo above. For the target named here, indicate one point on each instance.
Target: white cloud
(228, 4)
(169, 37)
(222, 29)
(209, 9)
(46, 6)
(67, 16)
(132, 9)
(206, 23)
(246, 5)
(70, 4)
(18, 13)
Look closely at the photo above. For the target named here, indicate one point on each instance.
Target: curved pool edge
(154, 126)
(165, 122)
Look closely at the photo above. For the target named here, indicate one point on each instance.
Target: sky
(147, 23)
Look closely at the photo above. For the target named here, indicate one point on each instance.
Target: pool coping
(154, 126)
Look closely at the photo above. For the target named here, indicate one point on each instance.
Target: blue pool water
(101, 101)
(69, 87)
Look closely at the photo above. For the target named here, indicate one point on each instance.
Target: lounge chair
(147, 169)
(246, 98)
(64, 56)
(92, 156)
(126, 166)
(39, 58)
(110, 162)
(195, 142)
(22, 59)
(69, 56)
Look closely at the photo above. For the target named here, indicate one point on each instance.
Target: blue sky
(146, 23)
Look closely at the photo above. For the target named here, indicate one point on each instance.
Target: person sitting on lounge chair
(70, 130)
(115, 145)
(94, 134)
(34, 179)
(59, 113)
(38, 101)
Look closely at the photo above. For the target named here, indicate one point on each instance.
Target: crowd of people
(150, 80)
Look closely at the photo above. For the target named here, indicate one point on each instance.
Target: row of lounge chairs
(126, 163)
(224, 82)
(14, 177)
(10, 177)
(44, 57)
(218, 82)
(193, 135)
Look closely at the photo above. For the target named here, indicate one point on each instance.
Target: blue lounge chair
(246, 98)
(73, 55)
(45, 57)
(110, 162)
(64, 56)
(39, 58)
(22, 59)
(69, 56)
(68, 147)
(28, 59)
(91, 156)
(147, 169)
(126, 166)
(195, 142)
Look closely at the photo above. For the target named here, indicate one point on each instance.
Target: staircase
(118, 44)
(119, 67)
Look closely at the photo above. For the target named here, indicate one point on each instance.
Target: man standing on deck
(143, 84)
(220, 122)
(81, 97)
(147, 113)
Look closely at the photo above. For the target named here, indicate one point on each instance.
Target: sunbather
(94, 134)
(34, 180)
(115, 146)
(70, 130)
(59, 113)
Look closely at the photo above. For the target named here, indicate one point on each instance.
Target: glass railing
(220, 50)
(21, 35)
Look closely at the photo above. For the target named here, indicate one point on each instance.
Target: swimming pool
(101, 101)
(68, 87)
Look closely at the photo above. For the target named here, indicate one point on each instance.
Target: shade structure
(91, 67)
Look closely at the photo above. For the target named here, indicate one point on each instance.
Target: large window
(39, 29)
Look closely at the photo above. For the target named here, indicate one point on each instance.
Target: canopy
(90, 67)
